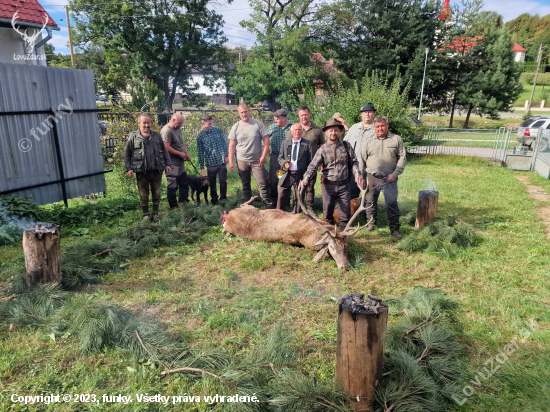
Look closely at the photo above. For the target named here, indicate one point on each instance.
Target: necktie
(294, 151)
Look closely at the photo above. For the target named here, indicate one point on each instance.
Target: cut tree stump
(42, 254)
(360, 348)
(427, 206)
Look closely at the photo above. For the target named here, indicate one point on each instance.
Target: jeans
(390, 196)
(213, 172)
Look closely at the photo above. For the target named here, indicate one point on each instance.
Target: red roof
(518, 48)
(460, 44)
(28, 11)
(445, 12)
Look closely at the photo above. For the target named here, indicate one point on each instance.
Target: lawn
(225, 294)
(476, 122)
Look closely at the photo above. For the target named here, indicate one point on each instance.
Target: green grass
(476, 122)
(225, 293)
(526, 94)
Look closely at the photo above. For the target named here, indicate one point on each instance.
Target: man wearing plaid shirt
(212, 149)
(277, 133)
(338, 161)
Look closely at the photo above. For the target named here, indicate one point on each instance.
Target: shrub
(389, 98)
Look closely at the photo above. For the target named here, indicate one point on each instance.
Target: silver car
(527, 131)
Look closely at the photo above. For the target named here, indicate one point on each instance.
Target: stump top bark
(356, 304)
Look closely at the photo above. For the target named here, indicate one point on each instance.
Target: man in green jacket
(383, 158)
(147, 158)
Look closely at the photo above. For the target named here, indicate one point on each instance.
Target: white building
(519, 53)
(24, 44)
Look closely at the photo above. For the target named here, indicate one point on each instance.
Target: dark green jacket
(135, 157)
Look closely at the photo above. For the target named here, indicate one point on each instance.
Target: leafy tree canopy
(162, 39)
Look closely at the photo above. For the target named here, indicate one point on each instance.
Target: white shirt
(295, 146)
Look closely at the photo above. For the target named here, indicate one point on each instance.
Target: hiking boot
(396, 234)
(370, 227)
(174, 207)
(146, 216)
(154, 218)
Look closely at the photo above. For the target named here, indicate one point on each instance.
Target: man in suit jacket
(295, 156)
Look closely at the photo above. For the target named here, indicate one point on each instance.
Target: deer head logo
(29, 40)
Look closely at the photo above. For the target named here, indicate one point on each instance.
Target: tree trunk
(452, 112)
(427, 206)
(360, 347)
(42, 255)
(468, 116)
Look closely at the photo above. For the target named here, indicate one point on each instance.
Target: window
(538, 124)
(527, 123)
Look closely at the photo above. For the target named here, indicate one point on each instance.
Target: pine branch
(170, 371)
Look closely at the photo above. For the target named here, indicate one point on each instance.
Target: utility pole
(423, 79)
(70, 36)
(535, 79)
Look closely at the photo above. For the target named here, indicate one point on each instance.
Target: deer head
(29, 40)
(335, 242)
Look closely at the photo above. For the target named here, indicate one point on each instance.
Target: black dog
(198, 185)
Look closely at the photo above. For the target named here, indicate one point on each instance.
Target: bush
(543, 79)
(389, 98)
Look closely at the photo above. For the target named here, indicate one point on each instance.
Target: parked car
(527, 131)
(102, 98)
(266, 107)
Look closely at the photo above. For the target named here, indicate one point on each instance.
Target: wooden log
(427, 206)
(360, 347)
(42, 255)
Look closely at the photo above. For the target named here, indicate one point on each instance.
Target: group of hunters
(347, 157)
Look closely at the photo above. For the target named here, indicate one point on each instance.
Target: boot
(154, 218)
(146, 216)
(396, 235)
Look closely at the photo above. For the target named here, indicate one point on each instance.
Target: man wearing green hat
(358, 134)
(339, 162)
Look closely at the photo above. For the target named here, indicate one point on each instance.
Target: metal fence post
(59, 160)
(505, 147)
(536, 151)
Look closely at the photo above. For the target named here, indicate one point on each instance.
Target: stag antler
(362, 206)
(29, 39)
(324, 229)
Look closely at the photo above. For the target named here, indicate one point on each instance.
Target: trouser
(390, 197)
(145, 182)
(289, 187)
(355, 191)
(177, 179)
(273, 179)
(262, 179)
(221, 173)
(333, 194)
(310, 192)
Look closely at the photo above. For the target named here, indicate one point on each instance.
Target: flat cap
(280, 113)
(331, 123)
(368, 107)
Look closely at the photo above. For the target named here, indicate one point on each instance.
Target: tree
(493, 84)
(381, 34)
(531, 31)
(162, 39)
(281, 65)
(472, 69)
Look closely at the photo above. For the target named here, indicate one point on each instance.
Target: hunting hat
(368, 107)
(332, 123)
(280, 113)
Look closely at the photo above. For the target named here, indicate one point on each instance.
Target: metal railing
(486, 143)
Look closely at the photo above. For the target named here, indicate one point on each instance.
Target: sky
(240, 10)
